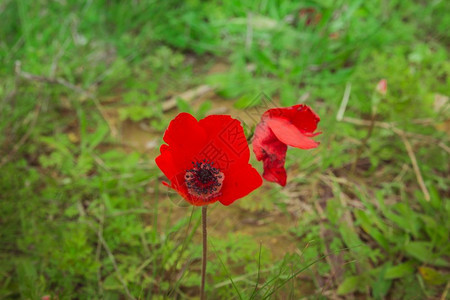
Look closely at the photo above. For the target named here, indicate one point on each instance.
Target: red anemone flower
(207, 160)
(281, 127)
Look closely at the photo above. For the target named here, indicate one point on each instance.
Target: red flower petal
(272, 152)
(281, 127)
(166, 162)
(226, 134)
(185, 138)
(183, 130)
(239, 182)
(302, 116)
(289, 134)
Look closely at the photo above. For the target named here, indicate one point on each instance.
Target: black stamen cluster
(203, 178)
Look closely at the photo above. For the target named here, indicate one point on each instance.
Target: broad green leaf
(203, 109)
(349, 285)
(350, 237)
(400, 270)
(57, 144)
(381, 286)
(420, 250)
(96, 138)
(366, 224)
(183, 105)
(333, 211)
(246, 101)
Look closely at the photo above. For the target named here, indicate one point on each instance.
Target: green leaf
(112, 283)
(349, 285)
(203, 109)
(350, 237)
(184, 106)
(420, 250)
(265, 60)
(334, 211)
(99, 135)
(246, 101)
(381, 286)
(400, 270)
(366, 224)
(57, 144)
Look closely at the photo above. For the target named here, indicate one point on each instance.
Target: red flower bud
(382, 87)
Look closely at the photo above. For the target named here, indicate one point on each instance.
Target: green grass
(83, 213)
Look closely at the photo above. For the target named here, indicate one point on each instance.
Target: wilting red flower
(382, 87)
(207, 160)
(281, 127)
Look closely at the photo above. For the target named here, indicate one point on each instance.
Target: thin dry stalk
(413, 159)
(392, 127)
(402, 134)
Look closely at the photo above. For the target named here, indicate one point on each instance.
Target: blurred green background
(87, 89)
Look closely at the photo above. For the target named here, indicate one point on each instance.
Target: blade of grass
(226, 270)
(274, 278)
(186, 241)
(243, 278)
(303, 269)
(259, 268)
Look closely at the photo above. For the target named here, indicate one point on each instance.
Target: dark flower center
(204, 180)
(205, 175)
